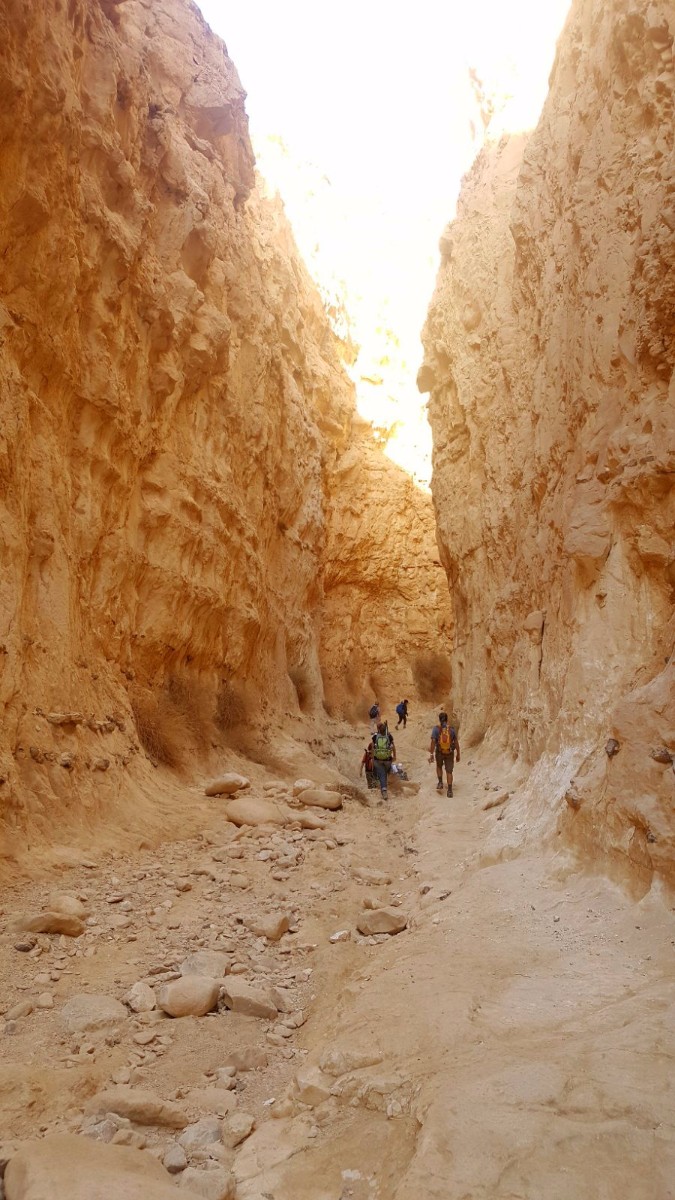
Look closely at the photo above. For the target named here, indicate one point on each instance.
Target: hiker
(367, 765)
(384, 751)
(402, 713)
(374, 714)
(443, 746)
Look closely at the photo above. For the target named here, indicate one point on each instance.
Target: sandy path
(523, 1022)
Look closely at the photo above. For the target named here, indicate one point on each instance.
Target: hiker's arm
(457, 747)
(432, 748)
(393, 750)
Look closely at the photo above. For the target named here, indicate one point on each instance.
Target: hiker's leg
(439, 772)
(381, 772)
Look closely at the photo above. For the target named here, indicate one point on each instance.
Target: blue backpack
(374, 710)
(400, 709)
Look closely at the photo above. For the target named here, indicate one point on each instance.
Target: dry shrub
(231, 706)
(433, 676)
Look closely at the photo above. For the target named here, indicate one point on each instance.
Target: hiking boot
(439, 786)
(449, 791)
(384, 795)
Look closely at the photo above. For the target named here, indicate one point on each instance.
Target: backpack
(381, 746)
(400, 709)
(446, 739)
(373, 711)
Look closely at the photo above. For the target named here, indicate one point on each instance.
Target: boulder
(382, 920)
(52, 922)
(211, 963)
(251, 810)
(139, 1105)
(340, 1061)
(271, 926)
(175, 1159)
(141, 998)
(216, 1184)
(254, 1000)
(320, 798)
(227, 785)
(201, 1133)
(85, 1012)
(237, 1128)
(70, 906)
(67, 1167)
(191, 996)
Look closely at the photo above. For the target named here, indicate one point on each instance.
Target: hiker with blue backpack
(402, 713)
(443, 746)
(374, 714)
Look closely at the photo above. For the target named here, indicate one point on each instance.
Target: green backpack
(381, 746)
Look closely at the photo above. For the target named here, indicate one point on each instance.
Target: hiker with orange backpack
(443, 746)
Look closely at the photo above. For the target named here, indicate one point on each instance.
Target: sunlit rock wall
(172, 410)
(549, 354)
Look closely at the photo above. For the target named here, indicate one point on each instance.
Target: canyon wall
(176, 430)
(549, 354)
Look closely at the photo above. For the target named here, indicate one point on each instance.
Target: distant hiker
(384, 751)
(374, 714)
(443, 746)
(402, 713)
(367, 765)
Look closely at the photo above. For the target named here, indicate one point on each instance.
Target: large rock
(139, 1105)
(52, 922)
(227, 785)
(320, 798)
(382, 920)
(201, 1133)
(87, 1012)
(255, 1000)
(211, 963)
(311, 1086)
(191, 996)
(68, 1167)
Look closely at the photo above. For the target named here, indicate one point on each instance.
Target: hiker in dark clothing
(402, 713)
(443, 746)
(384, 752)
(374, 714)
(367, 766)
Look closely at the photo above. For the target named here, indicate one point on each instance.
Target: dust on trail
(518, 1035)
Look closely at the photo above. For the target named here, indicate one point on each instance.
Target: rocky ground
(376, 1007)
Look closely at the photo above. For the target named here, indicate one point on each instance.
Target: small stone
(25, 945)
(342, 935)
(302, 785)
(662, 755)
(69, 905)
(175, 1159)
(45, 1000)
(237, 1128)
(271, 926)
(371, 877)
(138, 1105)
(130, 1137)
(191, 996)
(382, 920)
(312, 1086)
(612, 747)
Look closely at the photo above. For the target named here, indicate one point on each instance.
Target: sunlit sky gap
(364, 119)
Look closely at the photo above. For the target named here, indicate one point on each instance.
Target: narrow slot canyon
(234, 516)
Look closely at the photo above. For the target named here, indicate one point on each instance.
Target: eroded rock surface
(549, 355)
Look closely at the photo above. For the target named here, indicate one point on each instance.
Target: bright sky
(374, 106)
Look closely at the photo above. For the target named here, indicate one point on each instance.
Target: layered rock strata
(173, 414)
(549, 354)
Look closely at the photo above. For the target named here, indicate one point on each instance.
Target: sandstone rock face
(549, 354)
(191, 496)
